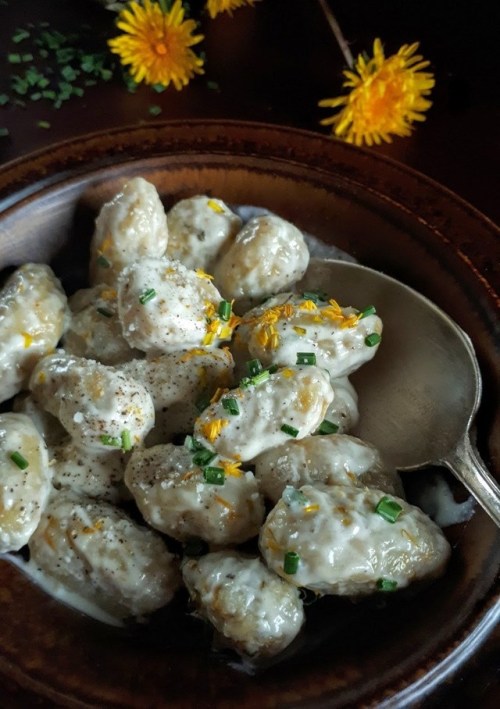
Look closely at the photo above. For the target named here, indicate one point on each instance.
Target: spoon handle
(466, 464)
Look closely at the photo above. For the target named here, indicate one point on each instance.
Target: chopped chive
(273, 368)
(111, 441)
(3, 99)
(105, 312)
(19, 460)
(214, 476)
(27, 57)
(291, 562)
(126, 440)
(43, 124)
(202, 403)
(106, 74)
(231, 406)
(14, 58)
(103, 262)
(19, 35)
(314, 295)
(36, 96)
(148, 295)
(192, 444)
(306, 358)
(291, 495)
(290, 430)
(372, 339)
(159, 88)
(254, 366)
(369, 310)
(245, 382)
(212, 85)
(203, 457)
(327, 427)
(224, 310)
(388, 509)
(260, 378)
(386, 584)
(154, 110)
(48, 93)
(4, 132)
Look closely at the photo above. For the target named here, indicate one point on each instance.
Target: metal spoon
(419, 395)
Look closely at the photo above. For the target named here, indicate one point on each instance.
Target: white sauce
(57, 590)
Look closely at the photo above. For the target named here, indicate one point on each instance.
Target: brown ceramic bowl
(398, 653)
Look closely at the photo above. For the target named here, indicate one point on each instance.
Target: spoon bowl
(419, 395)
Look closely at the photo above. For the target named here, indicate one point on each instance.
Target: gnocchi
(211, 416)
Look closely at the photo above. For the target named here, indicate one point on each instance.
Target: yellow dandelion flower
(215, 7)
(156, 44)
(386, 96)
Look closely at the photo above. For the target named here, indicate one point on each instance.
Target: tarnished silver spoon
(419, 395)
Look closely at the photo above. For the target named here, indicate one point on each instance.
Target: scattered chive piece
(372, 339)
(105, 312)
(19, 460)
(254, 367)
(327, 427)
(154, 110)
(103, 262)
(3, 99)
(224, 310)
(245, 382)
(14, 58)
(19, 35)
(202, 403)
(290, 430)
(272, 369)
(260, 378)
(43, 124)
(369, 310)
(291, 562)
(291, 495)
(192, 444)
(36, 96)
(27, 57)
(388, 509)
(126, 440)
(214, 476)
(386, 584)
(203, 457)
(148, 295)
(159, 88)
(306, 358)
(231, 406)
(4, 132)
(111, 441)
(212, 85)
(314, 295)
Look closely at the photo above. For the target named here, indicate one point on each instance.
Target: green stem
(335, 27)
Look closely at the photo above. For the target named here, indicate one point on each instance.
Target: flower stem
(335, 27)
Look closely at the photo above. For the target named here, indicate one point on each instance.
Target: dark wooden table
(273, 63)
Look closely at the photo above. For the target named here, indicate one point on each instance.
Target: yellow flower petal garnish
(212, 429)
(215, 7)
(215, 206)
(202, 274)
(231, 468)
(386, 95)
(156, 44)
(28, 339)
